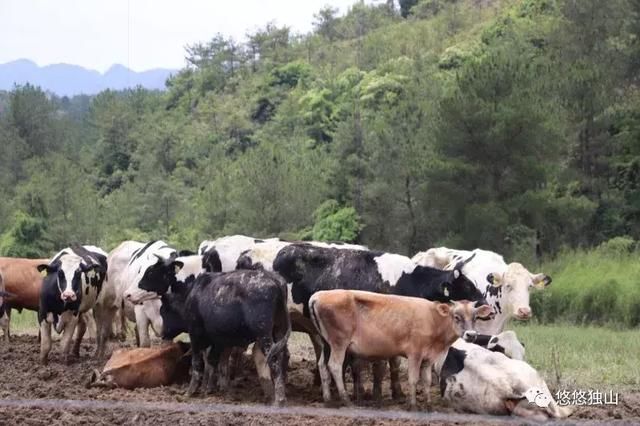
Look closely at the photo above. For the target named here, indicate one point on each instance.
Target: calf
(311, 269)
(506, 286)
(506, 343)
(475, 379)
(70, 288)
(143, 367)
(226, 310)
(381, 326)
(22, 282)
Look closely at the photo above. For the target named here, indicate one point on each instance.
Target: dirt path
(56, 394)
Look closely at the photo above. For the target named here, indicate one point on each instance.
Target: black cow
(221, 311)
(70, 288)
(312, 269)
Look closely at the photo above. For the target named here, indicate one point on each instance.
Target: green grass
(599, 287)
(24, 323)
(570, 357)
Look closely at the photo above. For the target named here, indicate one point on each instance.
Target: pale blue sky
(141, 34)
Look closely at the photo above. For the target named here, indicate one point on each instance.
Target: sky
(140, 34)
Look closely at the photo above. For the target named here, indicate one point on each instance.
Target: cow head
(154, 280)
(513, 288)
(171, 311)
(297, 261)
(211, 261)
(459, 287)
(464, 314)
(68, 270)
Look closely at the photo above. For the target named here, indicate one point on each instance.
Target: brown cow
(23, 281)
(379, 326)
(144, 367)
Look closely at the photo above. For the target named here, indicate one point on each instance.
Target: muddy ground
(32, 394)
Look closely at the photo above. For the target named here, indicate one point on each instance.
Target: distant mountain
(64, 79)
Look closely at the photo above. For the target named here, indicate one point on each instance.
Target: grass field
(569, 357)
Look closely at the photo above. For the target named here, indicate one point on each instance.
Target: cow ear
(43, 269)
(541, 280)
(495, 279)
(177, 266)
(484, 311)
(443, 309)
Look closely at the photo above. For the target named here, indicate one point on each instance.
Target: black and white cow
(71, 286)
(505, 286)
(311, 269)
(475, 379)
(228, 249)
(506, 343)
(132, 264)
(135, 266)
(228, 310)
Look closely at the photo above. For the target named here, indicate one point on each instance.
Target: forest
(511, 125)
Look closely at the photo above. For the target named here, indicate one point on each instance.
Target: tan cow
(379, 326)
(143, 367)
(23, 281)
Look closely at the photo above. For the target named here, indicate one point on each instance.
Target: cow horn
(160, 259)
(93, 378)
(469, 259)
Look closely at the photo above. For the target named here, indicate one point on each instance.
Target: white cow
(475, 379)
(505, 286)
(230, 248)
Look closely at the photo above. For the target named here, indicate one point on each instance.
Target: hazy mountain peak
(66, 79)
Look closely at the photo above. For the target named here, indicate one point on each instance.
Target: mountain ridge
(68, 79)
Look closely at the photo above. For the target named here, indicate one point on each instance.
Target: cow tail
(281, 344)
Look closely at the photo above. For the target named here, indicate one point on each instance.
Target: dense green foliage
(600, 287)
(510, 125)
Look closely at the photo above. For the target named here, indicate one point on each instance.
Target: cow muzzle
(523, 314)
(469, 336)
(68, 296)
(137, 298)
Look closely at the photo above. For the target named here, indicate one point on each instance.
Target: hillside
(69, 80)
(508, 125)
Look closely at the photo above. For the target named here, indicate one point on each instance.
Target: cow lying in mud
(475, 379)
(226, 310)
(370, 325)
(143, 367)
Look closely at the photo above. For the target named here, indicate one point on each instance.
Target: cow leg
(223, 369)
(425, 374)
(356, 374)
(45, 341)
(264, 373)
(316, 341)
(325, 377)
(82, 328)
(67, 337)
(142, 327)
(104, 320)
(413, 373)
(277, 369)
(235, 361)
(209, 377)
(7, 331)
(336, 360)
(379, 369)
(197, 363)
(394, 370)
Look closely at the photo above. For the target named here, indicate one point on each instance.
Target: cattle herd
(443, 310)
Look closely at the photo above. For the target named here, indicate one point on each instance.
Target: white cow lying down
(475, 379)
